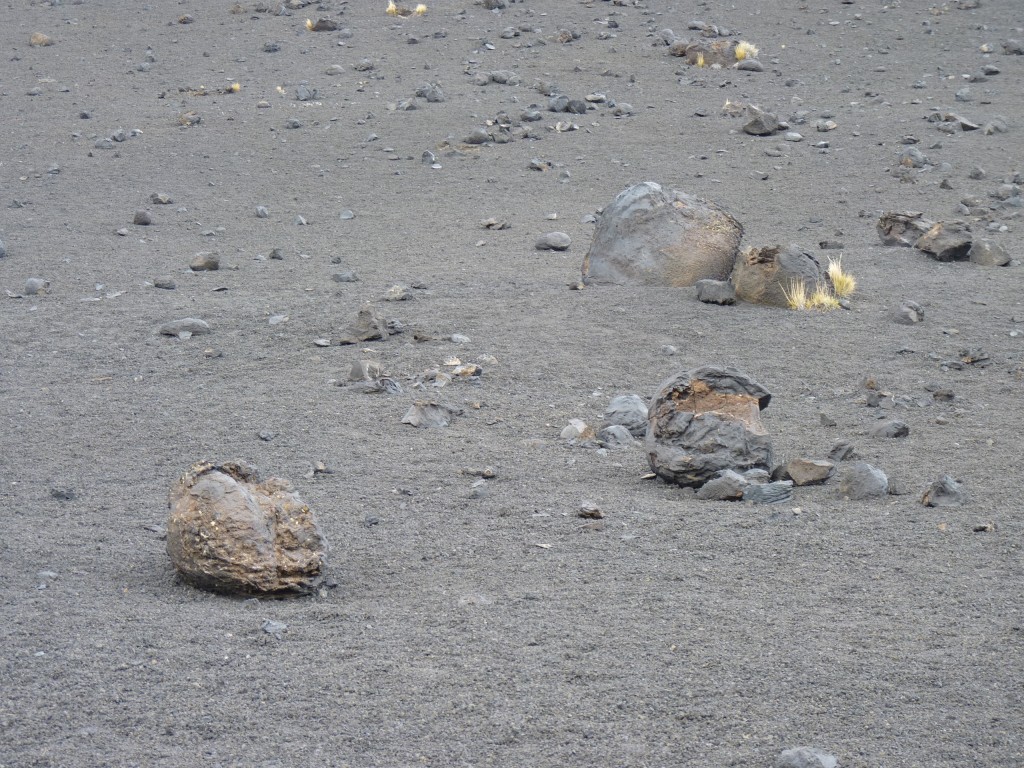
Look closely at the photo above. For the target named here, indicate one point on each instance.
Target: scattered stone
(398, 293)
(368, 325)
(716, 292)
(40, 40)
(705, 420)
(615, 436)
(590, 509)
(205, 262)
(909, 313)
(805, 471)
(765, 275)
(902, 228)
(944, 492)
(142, 219)
(229, 531)
(827, 420)
(3, 249)
(805, 757)
(761, 123)
(893, 429)
(769, 493)
(577, 430)
(430, 415)
(185, 328)
(988, 254)
(975, 356)
(946, 241)
(262, 212)
(727, 485)
(346, 276)
(863, 481)
(843, 450)
(653, 236)
(158, 198)
(629, 411)
(165, 283)
(553, 241)
(274, 628)
(36, 286)
(323, 25)
(1013, 48)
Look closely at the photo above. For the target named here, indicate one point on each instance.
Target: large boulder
(653, 236)
(765, 275)
(230, 531)
(705, 421)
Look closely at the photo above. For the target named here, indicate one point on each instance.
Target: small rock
(946, 241)
(715, 292)
(988, 254)
(805, 757)
(205, 262)
(750, 65)
(429, 415)
(36, 286)
(3, 249)
(727, 485)
(346, 276)
(842, 450)
(553, 241)
(142, 219)
(769, 493)
(615, 436)
(909, 313)
(805, 471)
(262, 212)
(590, 510)
(892, 429)
(275, 628)
(185, 328)
(165, 283)
(944, 492)
(863, 481)
(629, 411)
(398, 293)
(761, 123)
(577, 430)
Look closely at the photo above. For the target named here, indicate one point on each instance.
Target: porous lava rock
(764, 275)
(652, 236)
(231, 531)
(704, 421)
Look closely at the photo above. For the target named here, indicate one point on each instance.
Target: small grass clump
(796, 296)
(745, 50)
(822, 298)
(843, 283)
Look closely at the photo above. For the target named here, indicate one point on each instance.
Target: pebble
(893, 429)
(142, 218)
(805, 757)
(793, 136)
(165, 283)
(553, 241)
(750, 65)
(262, 212)
(346, 276)
(185, 328)
(36, 286)
(946, 491)
(205, 262)
(715, 292)
(3, 249)
(909, 313)
(346, 215)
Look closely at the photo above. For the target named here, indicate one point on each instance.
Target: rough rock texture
(629, 411)
(654, 236)
(902, 228)
(763, 275)
(944, 492)
(805, 471)
(230, 531)
(946, 241)
(988, 254)
(716, 292)
(367, 325)
(863, 481)
(704, 421)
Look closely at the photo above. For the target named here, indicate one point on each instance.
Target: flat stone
(553, 241)
(894, 428)
(185, 328)
(805, 757)
(805, 471)
(946, 241)
(715, 292)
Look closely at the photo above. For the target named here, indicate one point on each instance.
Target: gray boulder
(704, 421)
(653, 236)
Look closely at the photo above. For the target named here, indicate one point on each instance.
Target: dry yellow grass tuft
(796, 296)
(822, 298)
(745, 50)
(843, 283)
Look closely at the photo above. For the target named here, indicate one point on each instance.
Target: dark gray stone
(704, 421)
(909, 313)
(988, 254)
(769, 493)
(629, 411)
(761, 123)
(553, 241)
(716, 292)
(946, 241)
(615, 436)
(728, 485)
(652, 236)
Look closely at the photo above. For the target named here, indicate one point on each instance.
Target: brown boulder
(704, 421)
(229, 531)
(652, 236)
(946, 241)
(764, 275)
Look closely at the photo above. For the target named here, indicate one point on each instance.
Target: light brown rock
(229, 531)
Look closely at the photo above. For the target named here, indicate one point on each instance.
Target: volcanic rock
(863, 481)
(944, 492)
(704, 421)
(946, 241)
(629, 411)
(764, 275)
(805, 471)
(988, 254)
(904, 228)
(716, 292)
(229, 531)
(653, 236)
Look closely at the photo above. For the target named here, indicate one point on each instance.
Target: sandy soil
(496, 627)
